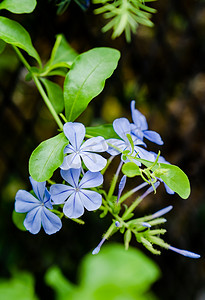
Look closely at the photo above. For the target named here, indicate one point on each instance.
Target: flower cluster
(82, 173)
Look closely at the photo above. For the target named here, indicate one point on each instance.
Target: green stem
(132, 207)
(40, 88)
(114, 181)
(47, 101)
(23, 60)
(110, 231)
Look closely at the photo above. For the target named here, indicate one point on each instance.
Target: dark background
(163, 69)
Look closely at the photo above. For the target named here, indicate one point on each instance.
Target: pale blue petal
(161, 159)
(122, 183)
(91, 200)
(168, 190)
(118, 144)
(32, 221)
(73, 207)
(75, 133)
(25, 202)
(94, 162)
(69, 149)
(71, 161)
(136, 132)
(91, 179)
(122, 128)
(38, 188)
(135, 115)
(137, 141)
(71, 176)
(47, 199)
(95, 144)
(51, 223)
(144, 154)
(138, 118)
(153, 137)
(60, 193)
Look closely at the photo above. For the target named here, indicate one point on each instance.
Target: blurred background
(163, 69)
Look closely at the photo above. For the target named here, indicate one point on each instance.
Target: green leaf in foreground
(55, 94)
(13, 33)
(19, 287)
(18, 7)
(112, 274)
(62, 52)
(105, 131)
(124, 272)
(173, 176)
(47, 157)
(18, 219)
(86, 79)
(130, 169)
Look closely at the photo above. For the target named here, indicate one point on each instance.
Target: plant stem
(129, 193)
(132, 207)
(40, 88)
(114, 181)
(47, 101)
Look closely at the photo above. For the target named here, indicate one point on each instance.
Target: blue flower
(75, 196)
(184, 252)
(77, 150)
(123, 128)
(140, 127)
(37, 208)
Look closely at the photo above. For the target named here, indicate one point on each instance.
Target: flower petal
(168, 190)
(32, 221)
(94, 162)
(25, 202)
(47, 199)
(91, 200)
(136, 131)
(51, 223)
(153, 137)
(75, 132)
(122, 127)
(60, 192)
(91, 179)
(118, 144)
(138, 118)
(71, 161)
(144, 154)
(73, 207)
(71, 176)
(38, 188)
(69, 149)
(95, 144)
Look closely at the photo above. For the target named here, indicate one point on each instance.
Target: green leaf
(121, 273)
(18, 7)
(2, 46)
(47, 157)
(19, 287)
(173, 176)
(112, 274)
(55, 94)
(86, 79)
(105, 131)
(62, 54)
(55, 279)
(18, 219)
(130, 169)
(13, 33)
